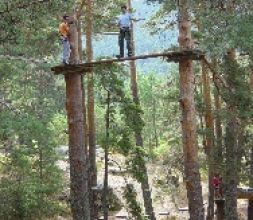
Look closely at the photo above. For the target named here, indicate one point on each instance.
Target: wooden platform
(245, 193)
(172, 56)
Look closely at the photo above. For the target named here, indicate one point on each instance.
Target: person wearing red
(216, 182)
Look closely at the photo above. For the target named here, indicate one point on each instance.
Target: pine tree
(146, 192)
(191, 166)
(91, 111)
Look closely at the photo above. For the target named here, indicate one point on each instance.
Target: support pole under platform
(220, 209)
(242, 193)
(172, 56)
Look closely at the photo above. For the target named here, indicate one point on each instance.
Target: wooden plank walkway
(169, 56)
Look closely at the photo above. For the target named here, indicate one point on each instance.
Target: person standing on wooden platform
(64, 35)
(124, 24)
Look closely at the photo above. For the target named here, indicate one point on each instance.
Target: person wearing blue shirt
(124, 24)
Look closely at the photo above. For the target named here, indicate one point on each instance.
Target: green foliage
(26, 196)
(29, 25)
(222, 29)
(125, 115)
(58, 127)
(134, 207)
(238, 93)
(110, 9)
(136, 162)
(159, 99)
(111, 79)
(31, 181)
(120, 140)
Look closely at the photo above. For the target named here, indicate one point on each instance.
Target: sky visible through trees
(145, 40)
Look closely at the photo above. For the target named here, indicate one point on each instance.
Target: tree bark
(80, 50)
(91, 112)
(73, 40)
(218, 151)
(220, 209)
(146, 192)
(240, 147)
(105, 192)
(154, 122)
(191, 166)
(251, 77)
(78, 170)
(209, 137)
(250, 204)
(250, 210)
(80, 43)
(231, 171)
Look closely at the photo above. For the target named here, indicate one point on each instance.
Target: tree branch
(79, 10)
(216, 75)
(219, 81)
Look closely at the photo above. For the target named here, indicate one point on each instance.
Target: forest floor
(173, 200)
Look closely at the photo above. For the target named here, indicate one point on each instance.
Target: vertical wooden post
(77, 158)
(220, 212)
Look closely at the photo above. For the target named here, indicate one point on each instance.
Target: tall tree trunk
(250, 204)
(73, 40)
(105, 192)
(209, 137)
(80, 50)
(218, 154)
(218, 151)
(154, 122)
(91, 111)
(218, 132)
(240, 147)
(191, 166)
(146, 192)
(251, 77)
(80, 43)
(220, 203)
(231, 168)
(78, 171)
(231, 175)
